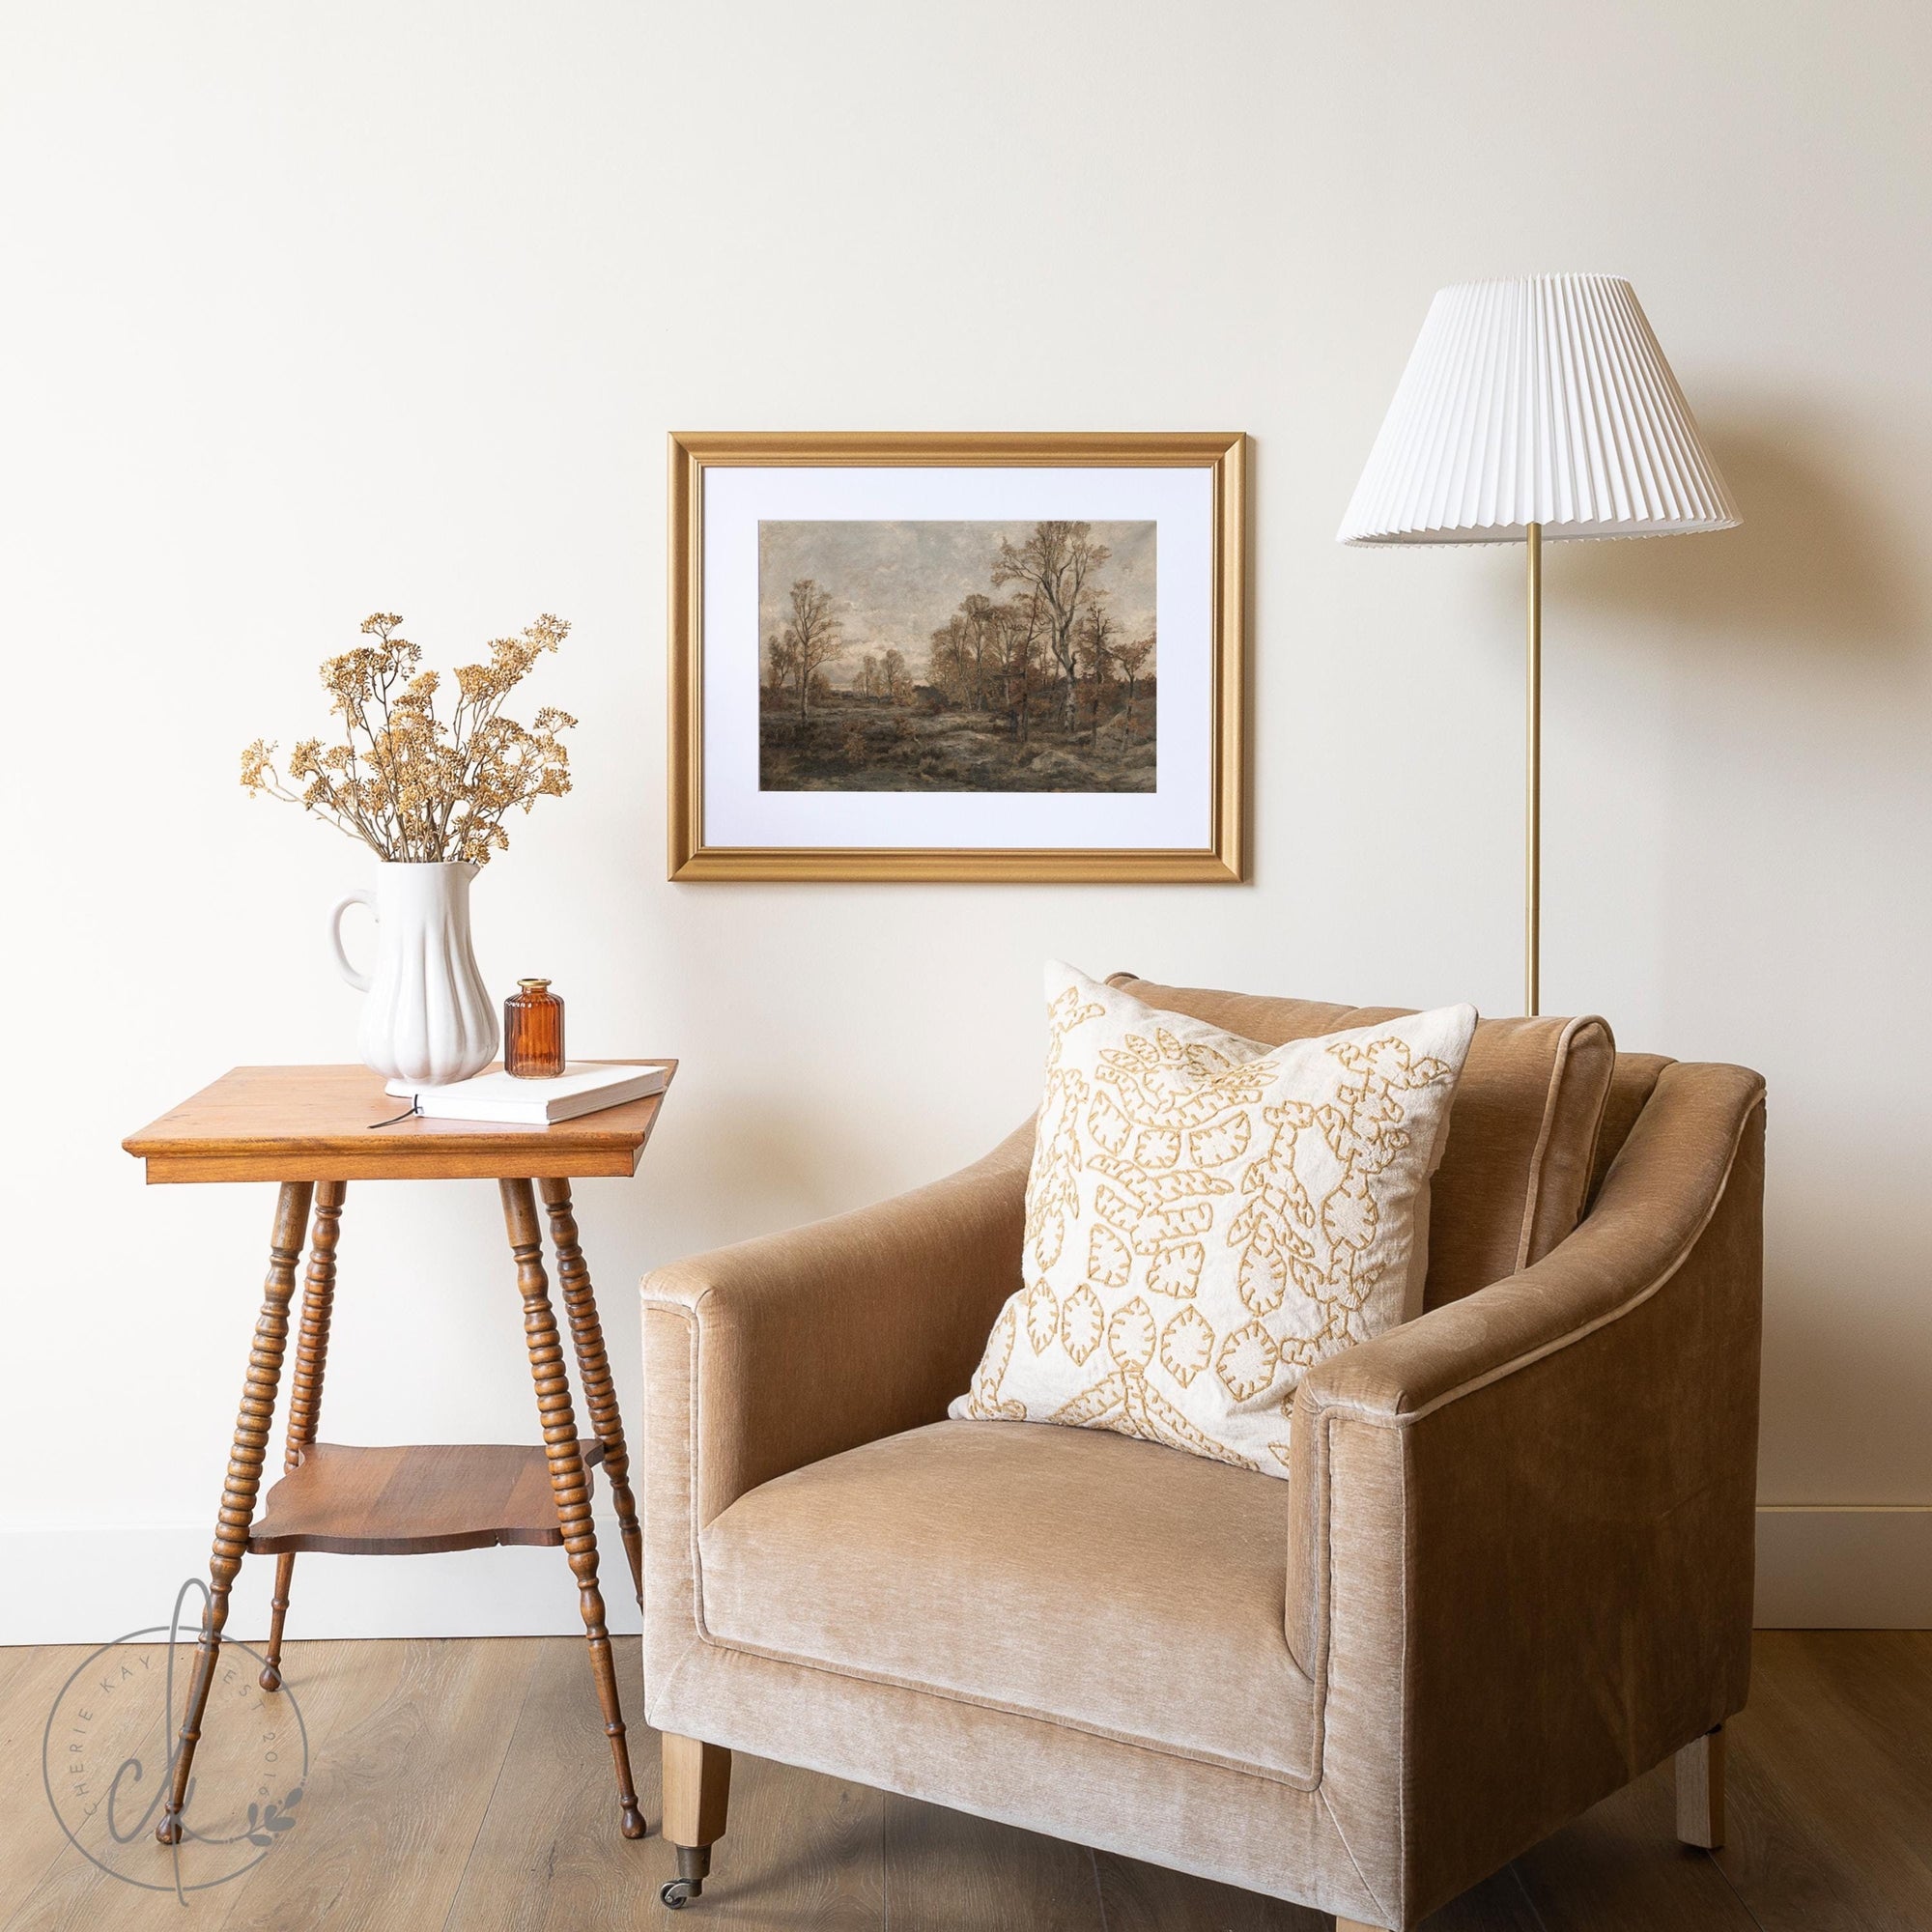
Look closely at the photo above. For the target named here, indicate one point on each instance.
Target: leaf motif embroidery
(983, 1401)
(1042, 1317)
(1217, 1145)
(1081, 1321)
(1108, 1125)
(1246, 1362)
(1186, 1346)
(1109, 1260)
(1176, 1270)
(1130, 1334)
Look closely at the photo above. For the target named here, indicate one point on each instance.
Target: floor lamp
(1532, 408)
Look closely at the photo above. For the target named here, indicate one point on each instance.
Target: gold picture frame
(1223, 857)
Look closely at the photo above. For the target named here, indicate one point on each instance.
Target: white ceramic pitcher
(428, 1016)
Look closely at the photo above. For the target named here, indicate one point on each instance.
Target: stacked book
(584, 1087)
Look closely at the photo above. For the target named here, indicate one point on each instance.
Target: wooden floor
(465, 1786)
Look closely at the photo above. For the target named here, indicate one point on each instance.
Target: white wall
(313, 311)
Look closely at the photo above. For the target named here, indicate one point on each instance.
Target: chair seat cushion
(1093, 1580)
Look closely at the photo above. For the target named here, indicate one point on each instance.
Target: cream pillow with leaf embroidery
(1207, 1218)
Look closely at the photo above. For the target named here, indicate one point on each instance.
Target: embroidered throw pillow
(1207, 1218)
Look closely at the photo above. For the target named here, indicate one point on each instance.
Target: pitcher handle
(361, 895)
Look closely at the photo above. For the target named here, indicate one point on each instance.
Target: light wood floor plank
(949, 1873)
(466, 1784)
(1499, 1904)
(548, 1855)
(1880, 1683)
(1832, 1784)
(75, 1896)
(30, 1679)
(1780, 1858)
(23, 1665)
(1620, 1867)
(395, 1796)
(1141, 1897)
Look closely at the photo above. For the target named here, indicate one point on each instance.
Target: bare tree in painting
(1094, 650)
(869, 673)
(898, 679)
(1132, 660)
(1017, 627)
(948, 662)
(976, 621)
(781, 660)
(963, 659)
(1058, 562)
(812, 635)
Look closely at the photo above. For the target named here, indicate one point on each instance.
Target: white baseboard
(93, 1585)
(1844, 1567)
(1830, 1567)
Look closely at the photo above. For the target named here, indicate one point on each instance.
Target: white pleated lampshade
(1542, 400)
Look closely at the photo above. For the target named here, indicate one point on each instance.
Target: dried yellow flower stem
(409, 785)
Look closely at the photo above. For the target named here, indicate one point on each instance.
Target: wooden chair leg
(593, 1367)
(305, 1396)
(1700, 1791)
(569, 1482)
(697, 1794)
(252, 1423)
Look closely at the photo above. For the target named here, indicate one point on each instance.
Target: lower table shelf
(413, 1499)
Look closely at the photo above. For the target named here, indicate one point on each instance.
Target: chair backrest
(1539, 1101)
(1631, 1088)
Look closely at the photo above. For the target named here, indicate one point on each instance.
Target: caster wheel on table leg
(678, 1892)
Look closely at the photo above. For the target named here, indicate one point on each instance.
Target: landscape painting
(903, 656)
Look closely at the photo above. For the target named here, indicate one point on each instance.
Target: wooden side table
(309, 1129)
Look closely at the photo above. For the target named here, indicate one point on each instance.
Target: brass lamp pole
(1533, 408)
(1532, 856)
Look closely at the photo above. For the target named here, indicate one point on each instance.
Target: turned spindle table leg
(244, 1477)
(568, 1480)
(305, 1396)
(593, 1365)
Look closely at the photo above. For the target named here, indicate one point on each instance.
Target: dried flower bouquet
(413, 787)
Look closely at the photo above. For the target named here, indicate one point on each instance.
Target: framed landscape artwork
(957, 657)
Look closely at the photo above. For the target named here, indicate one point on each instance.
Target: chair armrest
(1533, 1510)
(792, 1348)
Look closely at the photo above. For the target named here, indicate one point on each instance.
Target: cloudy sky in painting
(894, 584)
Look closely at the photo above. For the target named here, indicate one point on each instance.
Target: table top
(313, 1123)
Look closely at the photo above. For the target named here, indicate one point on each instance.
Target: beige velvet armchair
(1510, 1571)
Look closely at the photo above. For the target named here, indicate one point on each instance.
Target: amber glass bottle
(533, 1031)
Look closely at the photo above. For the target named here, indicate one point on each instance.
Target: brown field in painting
(854, 743)
(955, 656)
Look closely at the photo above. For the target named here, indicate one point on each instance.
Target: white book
(581, 1088)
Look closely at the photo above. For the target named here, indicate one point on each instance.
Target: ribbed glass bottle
(533, 1031)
